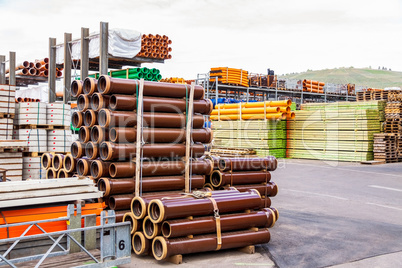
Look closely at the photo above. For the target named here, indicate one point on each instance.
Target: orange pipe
(228, 117)
(280, 103)
(258, 110)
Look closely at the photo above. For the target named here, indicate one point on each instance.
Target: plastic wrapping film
(122, 43)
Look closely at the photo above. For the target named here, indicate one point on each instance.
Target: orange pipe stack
(155, 47)
(37, 68)
(174, 80)
(313, 86)
(229, 76)
(271, 110)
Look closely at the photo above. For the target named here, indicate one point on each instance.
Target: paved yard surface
(330, 214)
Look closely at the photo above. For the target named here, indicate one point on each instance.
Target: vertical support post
(189, 126)
(75, 223)
(90, 235)
(103, 53)
(12, 81)
(216, 90)
(2, 69)
(139, 138)
(84, 62)
(52, 70)
(67, 67)
(248, 92)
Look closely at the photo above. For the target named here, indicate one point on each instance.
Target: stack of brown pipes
(155, 46)
(37, 68)
(58, 165)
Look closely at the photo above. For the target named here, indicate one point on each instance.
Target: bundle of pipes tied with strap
(271, 110)
(36, 68)
(148, 74)
(229, 76)
(313, 86)
(155, 46)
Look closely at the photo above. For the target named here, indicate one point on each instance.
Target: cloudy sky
(284, 35)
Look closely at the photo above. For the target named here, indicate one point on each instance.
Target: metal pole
(52, 70)
(2, 69)
(12, 81)
(84, 62)
(103, 53)
(216, 90)
(67, 67)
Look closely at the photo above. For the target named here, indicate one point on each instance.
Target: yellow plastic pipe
(284, 109)
(280, 103)
(291, 115)
(258, 110)
(228, 117)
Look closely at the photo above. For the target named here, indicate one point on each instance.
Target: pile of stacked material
(230, 76)
(386, 147)
(134, 73)
(155, 46)
(7, 111)
(174, 80)
(37, 68)
(262, 80)
(57, 166)
(11, 158)
(340, 131)
(32, 168)
(313, 86)
(253, 111)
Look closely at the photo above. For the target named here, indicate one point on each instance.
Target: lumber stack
(339, 131)
(229, 76)
(155, 46)
(386, 147)
(313, 86)
(253, 110)
(266, 137)
(147, 74)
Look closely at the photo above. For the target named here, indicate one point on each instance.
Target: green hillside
(361, 77)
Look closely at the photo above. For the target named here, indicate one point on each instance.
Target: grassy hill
(361, 77)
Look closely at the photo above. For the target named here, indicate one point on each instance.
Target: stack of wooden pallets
(386, 147)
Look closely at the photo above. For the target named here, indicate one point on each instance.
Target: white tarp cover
(123, 43)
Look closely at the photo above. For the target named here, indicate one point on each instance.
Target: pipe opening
(222, 164)
(112, 202)
(82, 134)
(95, 134)
(101, 84)
(95, 101)
(87, 86)
(75, 150)
(113, 134)
(76, 119)
(154, 210)
(216, 178)
(137, 243)
(103, 150)
(157, 248)
(81, 167)
(62, 174)
(81, 103)
(95, 169)
(113, 102)
(112, 170)
(50, 174)
(68, 163)
(102, 117)
(166, 230)
(88, 118)
(101, 185)
(89, 150)
(149, 228)
(46, 160)
(75, 88)
(56, 162)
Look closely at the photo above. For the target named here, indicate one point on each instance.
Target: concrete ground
(330, 214)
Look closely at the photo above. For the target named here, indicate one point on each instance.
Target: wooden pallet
(7, 115)
(13, 149)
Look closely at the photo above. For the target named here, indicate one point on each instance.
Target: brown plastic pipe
(92, 150)
(149, 184)
(90, 118)
(83, 102)
(123, 151)
(269, 189)
(120, 202)
(77, 119)
(108, 85)
(99, 101)
(159, 135)
(157, 104)
(76, 88)
(51, 173)
(57, 161)
(62, 173)
(139, 204)
(99, 134)
(141, 245)
(214, 159)
(161, 210)
(135, 224)
(219, 178)
(263, 218)
(151, 229)
(108, 118)
(99, 169)
(83, 166)
(239, 164)
(163, 248)
(46, 160)
(69, 163)
(119, 214)
(90, 86)
(160, 168)
(84, 134)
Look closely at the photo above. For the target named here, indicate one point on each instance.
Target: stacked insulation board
(266, 137)
(335, 131)
(7, 111)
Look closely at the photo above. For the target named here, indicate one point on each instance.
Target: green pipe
(158, 77)
(149, 76)
(145, 70)
(155, 71)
